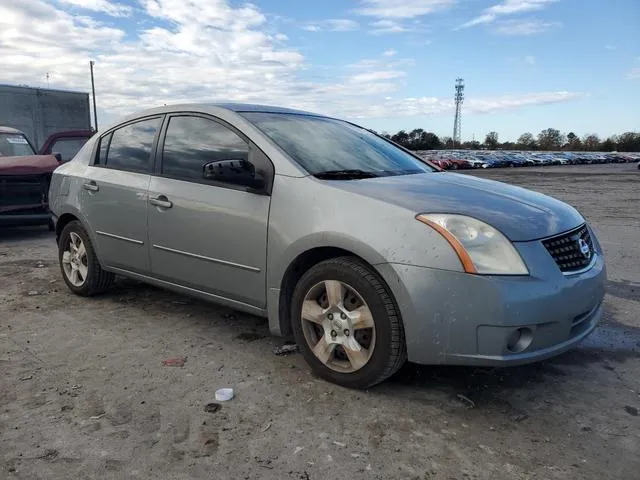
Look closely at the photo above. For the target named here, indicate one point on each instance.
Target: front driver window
(194, 144)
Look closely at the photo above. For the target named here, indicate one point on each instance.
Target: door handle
(160, 201)
(91, 186)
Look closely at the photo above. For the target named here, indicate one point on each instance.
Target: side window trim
(109, 133)
(106, 153)
(256, 156)
(159, 146)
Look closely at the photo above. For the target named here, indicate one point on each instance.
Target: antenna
(457, 122)
(48, 75)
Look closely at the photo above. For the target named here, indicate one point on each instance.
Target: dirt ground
(83, 392)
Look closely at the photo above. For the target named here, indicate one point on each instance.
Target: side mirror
(58, 156)
(234, 171)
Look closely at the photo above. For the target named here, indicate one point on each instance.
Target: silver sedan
(363, 252)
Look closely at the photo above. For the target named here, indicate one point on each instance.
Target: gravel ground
(84, 393)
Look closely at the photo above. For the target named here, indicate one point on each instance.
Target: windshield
(14, 145)
(323, 145)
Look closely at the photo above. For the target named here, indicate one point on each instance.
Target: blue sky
(387, 64)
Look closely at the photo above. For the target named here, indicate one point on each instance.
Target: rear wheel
(80, 267)
(347, 324)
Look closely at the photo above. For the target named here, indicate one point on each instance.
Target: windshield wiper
(349, 174)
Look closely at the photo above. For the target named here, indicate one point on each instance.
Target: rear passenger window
(130, 146)
(193, 142)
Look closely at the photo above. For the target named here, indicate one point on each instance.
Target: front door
(203, 234)
(115, 190)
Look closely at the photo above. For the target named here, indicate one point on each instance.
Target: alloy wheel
(338, 326)
(74, 260)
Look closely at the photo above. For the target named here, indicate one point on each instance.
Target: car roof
(10, 130)
(214, 108)
(217, 109)
(252, 107)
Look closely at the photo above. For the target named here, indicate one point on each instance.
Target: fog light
(519, 340)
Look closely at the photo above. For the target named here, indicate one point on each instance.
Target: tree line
(549, 139)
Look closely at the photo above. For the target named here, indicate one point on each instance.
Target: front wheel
(347, 324)
(80, 267)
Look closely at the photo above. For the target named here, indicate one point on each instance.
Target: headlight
(481, 248)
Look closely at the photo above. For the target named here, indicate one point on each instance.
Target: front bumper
(461, 319)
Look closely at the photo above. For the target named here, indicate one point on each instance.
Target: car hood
(28, 165)
(520, 214)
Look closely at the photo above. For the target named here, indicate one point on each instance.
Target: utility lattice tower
(457, 122)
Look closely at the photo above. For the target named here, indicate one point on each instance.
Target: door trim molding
(118, 237)
(208, 259)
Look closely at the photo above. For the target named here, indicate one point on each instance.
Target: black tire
(389, 352)
(98, 280)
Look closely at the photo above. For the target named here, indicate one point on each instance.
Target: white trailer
(39, 112)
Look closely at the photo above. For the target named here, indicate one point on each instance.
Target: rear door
(207, 235)
(115, 194)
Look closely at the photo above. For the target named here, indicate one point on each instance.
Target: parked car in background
(24, 180)
(456, 159)
(364, 252)
(66, 143)
(458, 163)
(441, 162)
(524, 159)
(474, 160)
(490, 161)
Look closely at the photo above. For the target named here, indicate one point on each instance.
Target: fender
(71, 210)
(277, 268)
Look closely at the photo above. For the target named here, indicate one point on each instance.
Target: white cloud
(104, 6)
(381, 27)
(332, 25)
(199, 50)
(368, 64)
(608, 46)
(401, 8)
(389, 53)
(530, 59)
(634, 74)
(216, 14)
(524, 27)
(509, 102)
(203, 51)
(375, 76)
(507, 7)
(407, 107)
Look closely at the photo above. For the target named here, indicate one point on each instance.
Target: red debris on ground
(174, 362)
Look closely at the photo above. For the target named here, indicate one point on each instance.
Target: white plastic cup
(224, 394)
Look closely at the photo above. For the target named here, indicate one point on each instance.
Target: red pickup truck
(65, 143)
(24, 180)
(25, 175)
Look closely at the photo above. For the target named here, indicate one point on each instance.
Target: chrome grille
(572, 251)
